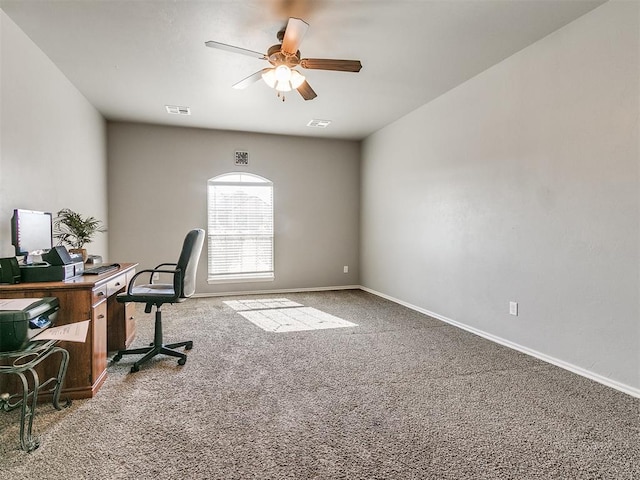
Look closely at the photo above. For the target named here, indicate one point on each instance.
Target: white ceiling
(130, 58)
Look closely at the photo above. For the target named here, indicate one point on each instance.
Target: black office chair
(183, 286)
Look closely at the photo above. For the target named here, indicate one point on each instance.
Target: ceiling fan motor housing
(277, 57)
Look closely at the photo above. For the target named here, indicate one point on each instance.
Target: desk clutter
(57, 265)
(92, 298)
(22, 318)
(44, 272)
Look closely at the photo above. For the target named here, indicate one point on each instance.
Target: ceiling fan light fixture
(282, 78)
(297, 79)
(269, 77)
(283, 73)
(282, 86)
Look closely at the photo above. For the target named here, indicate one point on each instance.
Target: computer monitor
(31, 231)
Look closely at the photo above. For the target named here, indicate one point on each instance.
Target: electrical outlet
(513, 308)
(345, 269)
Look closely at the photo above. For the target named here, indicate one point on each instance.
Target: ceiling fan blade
(244, 83)
(306, 91)
(293, 34)
(231, 48)
(328, 64)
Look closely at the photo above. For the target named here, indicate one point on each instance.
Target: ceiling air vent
(319, 123)
(175, 110)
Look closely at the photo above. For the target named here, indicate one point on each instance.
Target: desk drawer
(121, 325)
(98, 294)
(117, 284)
(99, 342)
(130, 275)
(130, 322)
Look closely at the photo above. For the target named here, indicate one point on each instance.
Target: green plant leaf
(72, 229)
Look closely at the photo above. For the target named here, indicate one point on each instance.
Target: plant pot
(81, 251)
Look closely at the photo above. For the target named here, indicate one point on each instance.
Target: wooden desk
(112, 326)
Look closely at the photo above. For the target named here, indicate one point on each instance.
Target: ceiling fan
(284, 57)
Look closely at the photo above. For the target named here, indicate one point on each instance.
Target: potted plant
(74, 230)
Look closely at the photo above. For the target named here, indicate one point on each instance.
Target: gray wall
(158, 190)
(522, 185)
(52, 141)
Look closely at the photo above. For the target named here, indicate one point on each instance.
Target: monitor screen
(31, 231)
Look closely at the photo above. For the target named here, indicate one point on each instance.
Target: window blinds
(240, 228)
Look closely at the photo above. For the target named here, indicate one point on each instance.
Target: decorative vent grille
(319, 123)
(241, 158)
(176, 110)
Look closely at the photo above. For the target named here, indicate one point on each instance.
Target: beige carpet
(399, 396)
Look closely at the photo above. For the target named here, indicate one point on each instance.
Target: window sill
(267, 277)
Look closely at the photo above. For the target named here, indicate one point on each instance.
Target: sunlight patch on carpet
(294, 319)
(261, 304)
(283, 315)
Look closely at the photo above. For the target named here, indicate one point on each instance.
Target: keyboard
(100, 269)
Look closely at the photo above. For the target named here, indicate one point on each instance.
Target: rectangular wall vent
(176, 110)
(319, 123)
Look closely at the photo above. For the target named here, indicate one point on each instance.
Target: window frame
(245, 179)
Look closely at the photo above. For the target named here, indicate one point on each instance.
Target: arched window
(240, 228)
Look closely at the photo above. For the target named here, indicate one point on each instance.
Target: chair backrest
(188, 261)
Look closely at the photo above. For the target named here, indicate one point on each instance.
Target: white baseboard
(277, 291)
(635, 392)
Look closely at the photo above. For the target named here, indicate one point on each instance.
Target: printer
(21, 319)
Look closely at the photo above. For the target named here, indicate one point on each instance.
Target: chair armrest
(157, 267)
(151, 271)
(163, 264)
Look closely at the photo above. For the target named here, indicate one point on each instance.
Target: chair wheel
(182, 361)
(135, 368)
(116, 358)
(188, 346)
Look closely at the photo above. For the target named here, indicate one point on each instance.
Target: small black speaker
(9, 270)
(57, 256)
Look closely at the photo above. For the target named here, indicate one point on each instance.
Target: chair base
(156, 348)
(153, 350)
